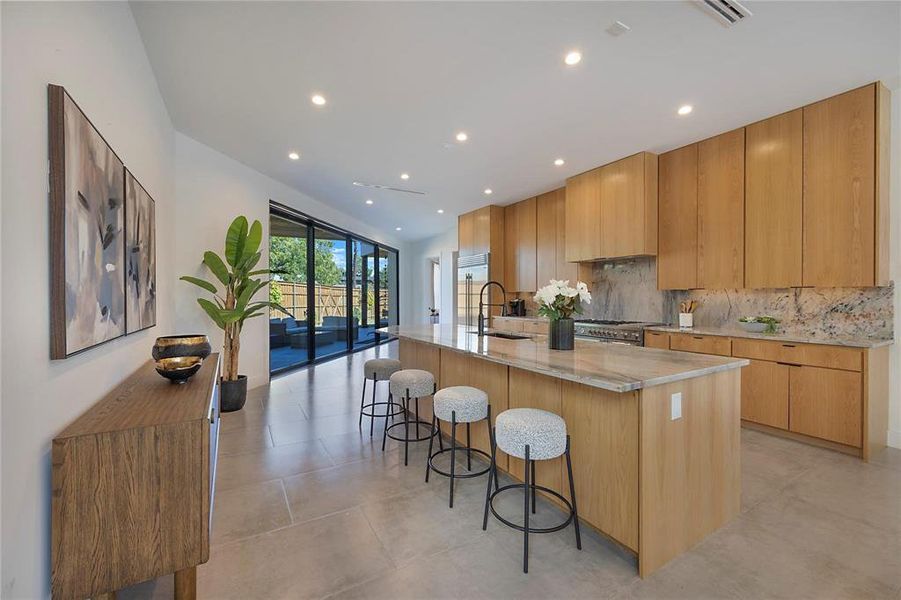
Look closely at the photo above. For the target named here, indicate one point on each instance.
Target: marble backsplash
(628, 290)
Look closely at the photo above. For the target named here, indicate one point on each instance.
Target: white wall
(95, 51)
(213, 189)
(416, 295)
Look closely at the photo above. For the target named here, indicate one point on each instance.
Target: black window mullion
(311, 292)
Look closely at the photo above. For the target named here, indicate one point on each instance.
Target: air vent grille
(379, 186)
(728, 12)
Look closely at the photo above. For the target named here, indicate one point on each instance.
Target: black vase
(561, 334)
(233, 394)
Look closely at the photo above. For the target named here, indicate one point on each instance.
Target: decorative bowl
(753, 327)
(175, 346)
(178, 369)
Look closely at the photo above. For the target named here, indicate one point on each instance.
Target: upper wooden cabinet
(520, 246)
(842, 245)
(482, 231)
(551, 239)
(677, 254)
(611, 211)
(721, 202)
(773, 201)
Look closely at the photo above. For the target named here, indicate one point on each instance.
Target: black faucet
(482, 304)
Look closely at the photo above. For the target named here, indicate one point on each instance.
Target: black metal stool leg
(407, 429)
(428, 461)
(391, 405)
(438, 433)
(572, 495)
(492, 445)
(362, 402)
(533, 487)
(491, 474)
(372, 419)
(453, 455)
(468, 450)
(525, 512)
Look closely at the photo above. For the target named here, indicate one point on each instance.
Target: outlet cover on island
(676, 406)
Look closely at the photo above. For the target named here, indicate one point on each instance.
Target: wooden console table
(132, 486)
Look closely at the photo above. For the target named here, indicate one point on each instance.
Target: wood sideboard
(132, 486)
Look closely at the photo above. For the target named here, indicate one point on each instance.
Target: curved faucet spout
(483, 304)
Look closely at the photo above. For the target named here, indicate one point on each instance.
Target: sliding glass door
(337, 289)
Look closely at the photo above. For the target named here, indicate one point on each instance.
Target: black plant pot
(561, 334)
(233, 394)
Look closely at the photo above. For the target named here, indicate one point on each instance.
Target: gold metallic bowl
(180, 368)
(172, 346)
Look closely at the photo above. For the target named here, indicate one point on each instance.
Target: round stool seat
(380, 368)
(413, 382)
(543, 431)
(470, 404)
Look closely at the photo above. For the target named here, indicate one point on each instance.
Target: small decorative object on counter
(178, 369)
(558, 301)
(760, 324)
(686, 314)
(174, 346)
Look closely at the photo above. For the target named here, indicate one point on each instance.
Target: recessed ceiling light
(488, 191)
(573, 58)
(293, 155)
(685, 109)
(404, 175)
(397, 229)
(462, 137)
(440, 211)
(318, 99)
(559, 162)
(369, 202)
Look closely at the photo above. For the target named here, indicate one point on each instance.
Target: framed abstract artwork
(87, 221)
(140, 256)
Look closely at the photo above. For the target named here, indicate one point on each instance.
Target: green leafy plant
(770, 322)
(234, 304)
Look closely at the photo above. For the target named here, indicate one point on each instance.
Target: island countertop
(614, 367)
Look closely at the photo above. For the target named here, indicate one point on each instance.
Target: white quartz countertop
(778, 337)
(614, 367)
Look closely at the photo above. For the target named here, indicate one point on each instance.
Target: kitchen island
(654, 433)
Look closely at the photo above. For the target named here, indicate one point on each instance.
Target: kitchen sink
(503, 334)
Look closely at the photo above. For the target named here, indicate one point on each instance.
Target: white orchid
(559, 300)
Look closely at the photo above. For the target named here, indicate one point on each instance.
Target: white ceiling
(402, 78)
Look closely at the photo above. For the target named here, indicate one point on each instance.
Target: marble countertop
(799, 338)
(614, 367)
(526, 318)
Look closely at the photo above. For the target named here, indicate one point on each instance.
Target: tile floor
(307, 506)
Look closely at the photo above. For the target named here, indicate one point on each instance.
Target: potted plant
(234, 304)
(559, 302)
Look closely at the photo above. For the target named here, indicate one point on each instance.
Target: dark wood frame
(128, 174)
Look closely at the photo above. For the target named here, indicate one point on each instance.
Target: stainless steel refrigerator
(472, 274)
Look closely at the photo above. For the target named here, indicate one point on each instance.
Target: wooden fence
(331, 301)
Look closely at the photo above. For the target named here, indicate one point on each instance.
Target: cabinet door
(482, 230)
(773, 208)
(826, 403)
(701, 344)
(548, 207)
(839, 190)
(465, 234)
(583, 221)
(532, 390)
(677, 242)
(511, 243)
(656, 339)
(628, 209)
(721, 201)
(526, 242)
(564, 269)
(764, 393)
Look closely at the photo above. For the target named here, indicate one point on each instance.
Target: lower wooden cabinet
(764, 393)
(826, 404)
(656, 339)
(702, 344)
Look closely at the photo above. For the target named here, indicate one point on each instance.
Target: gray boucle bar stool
(460, 404)
(409, 384)
(531, 434)
(375, 370)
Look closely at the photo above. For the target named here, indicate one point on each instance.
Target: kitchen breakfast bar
(654, 433)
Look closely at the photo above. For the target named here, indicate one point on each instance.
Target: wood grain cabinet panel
(520, 246)
(677, 240)
(701, 344)
(764, 393)
(583, 216)
(656, 339)
(532, 390)
(839, 190)
(814, 355)
(826, 404)
(721, 199)
(773, 201)
(628, 195)
(466, 234)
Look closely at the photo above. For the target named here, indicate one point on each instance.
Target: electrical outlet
(676, 406)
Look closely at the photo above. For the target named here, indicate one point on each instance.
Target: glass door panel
(388, 304)
(329, 302)
(363, 292)
(288, 331)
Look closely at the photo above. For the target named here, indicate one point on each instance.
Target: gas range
(623, 332)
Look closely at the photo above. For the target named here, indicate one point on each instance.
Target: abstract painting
(140, 256)
(87, 218)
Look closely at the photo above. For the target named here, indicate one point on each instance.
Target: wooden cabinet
(721, 201)
(551, 239)
(507, 324)
(532, 390)
(677, 252)
(656, 339)
(482, 231)
(840, 204)
(764, 393)
(702, 344)
(611, 211)
(773, 201)
(520, 246)
(814, 355)
(466, 244)
(826, 404)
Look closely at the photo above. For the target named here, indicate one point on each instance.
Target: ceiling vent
(727, 12)
(379, 186)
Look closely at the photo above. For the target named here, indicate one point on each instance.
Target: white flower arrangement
(558, 300)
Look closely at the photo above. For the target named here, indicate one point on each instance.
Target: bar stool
(459, 404)
(375, 370)
(409, 384)
(531, 434)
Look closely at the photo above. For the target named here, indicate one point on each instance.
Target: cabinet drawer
(826, 403)
(503, 324)
(702, 344)
(813, 355)
(656, 339)
(535, 327)
(764, 393)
